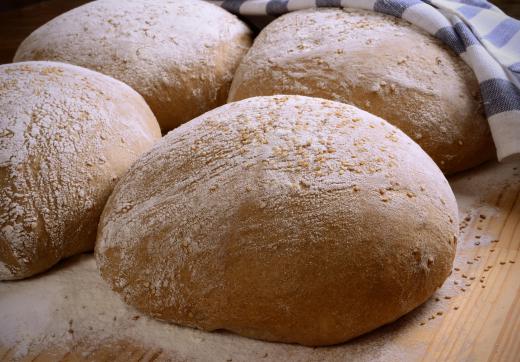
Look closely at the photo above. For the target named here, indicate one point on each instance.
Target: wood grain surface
(475, 316)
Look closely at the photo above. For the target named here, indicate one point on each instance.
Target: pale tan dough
(283, 218)
(180, 55)
(66, 135)
(381, 64)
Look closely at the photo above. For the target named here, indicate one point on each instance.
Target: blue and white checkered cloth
(487, 39)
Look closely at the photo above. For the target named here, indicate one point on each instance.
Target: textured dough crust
(378, 63)
(283, 218)
(66, 135)
(179, 55)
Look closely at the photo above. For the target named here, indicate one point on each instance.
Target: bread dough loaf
(381, 64)
(283, 218)
(66, 135)
(180, 55)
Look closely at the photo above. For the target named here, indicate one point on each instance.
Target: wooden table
(475, 316)
(18, 21)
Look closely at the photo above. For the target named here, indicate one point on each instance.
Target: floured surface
(68, 313)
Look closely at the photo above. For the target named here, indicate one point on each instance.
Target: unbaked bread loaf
(180, 55)
(283, 218)
(66, 135)
(378, 63)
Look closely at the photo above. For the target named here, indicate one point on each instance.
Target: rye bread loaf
(381, 64)
(180, 55)
(283, 218)
(66, 135)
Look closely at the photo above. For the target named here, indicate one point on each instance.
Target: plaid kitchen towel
(487, 39)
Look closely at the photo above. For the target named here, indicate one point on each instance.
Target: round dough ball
(180, 55)
(66, 135)
(282, 218)
(381, 64)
